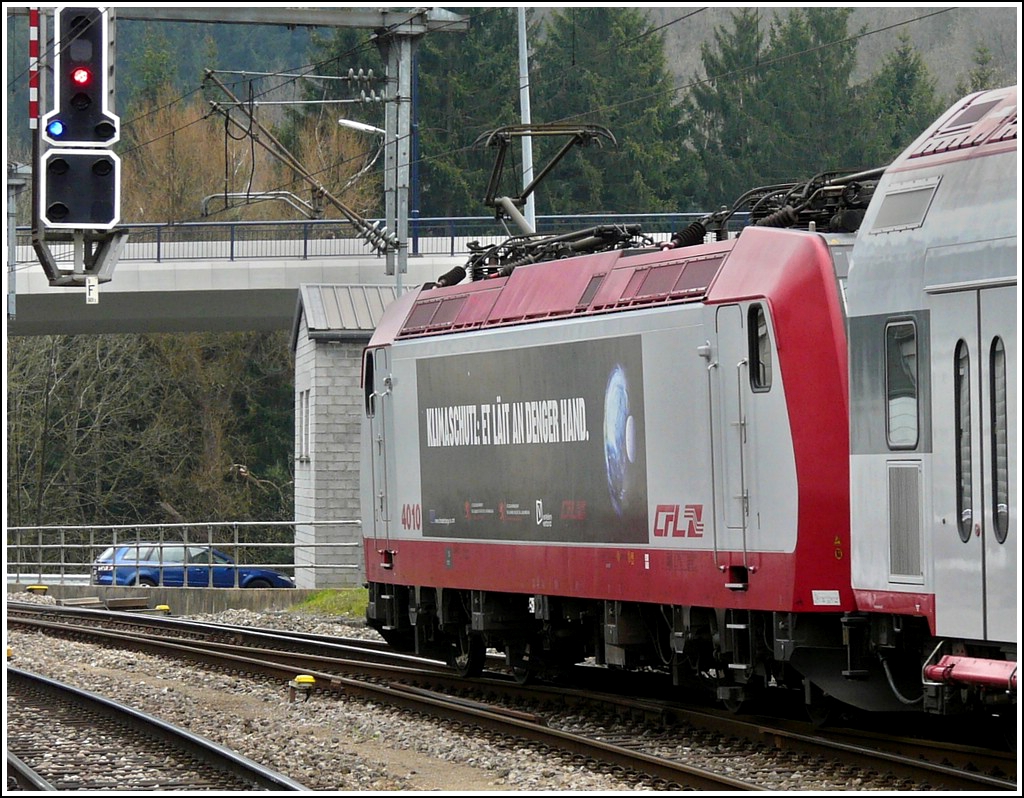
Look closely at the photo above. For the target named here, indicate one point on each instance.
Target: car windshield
(107, 554)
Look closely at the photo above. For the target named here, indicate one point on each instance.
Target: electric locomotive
(732, 459)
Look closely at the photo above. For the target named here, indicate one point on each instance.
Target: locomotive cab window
(901, 407)
(760, 345)
(368, 384)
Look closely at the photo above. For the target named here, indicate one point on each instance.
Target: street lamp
(362, 127)
(390, 185)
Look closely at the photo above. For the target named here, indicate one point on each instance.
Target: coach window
(760, 345)
(962, 430)
(901, 385)
(1000, 463)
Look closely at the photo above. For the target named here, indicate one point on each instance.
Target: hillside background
(947, 41)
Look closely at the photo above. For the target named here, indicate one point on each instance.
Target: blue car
(175, 565)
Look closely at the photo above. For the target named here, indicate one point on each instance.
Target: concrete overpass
(211, 292)
(239, 276)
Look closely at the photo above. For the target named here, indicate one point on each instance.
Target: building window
(901, 385)
(760, 344)
(304, 425)
(1000, 461)
(962, 430)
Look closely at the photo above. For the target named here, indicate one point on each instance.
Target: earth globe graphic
(619, 439)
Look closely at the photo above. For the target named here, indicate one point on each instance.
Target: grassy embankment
(349, 602)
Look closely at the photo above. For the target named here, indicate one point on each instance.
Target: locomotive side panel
(521, 437)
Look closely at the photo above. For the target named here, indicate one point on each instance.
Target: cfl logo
(668, 523)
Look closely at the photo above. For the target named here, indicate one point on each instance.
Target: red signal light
(81, 76)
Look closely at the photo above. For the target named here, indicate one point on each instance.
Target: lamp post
(392, 222)
(362, 127)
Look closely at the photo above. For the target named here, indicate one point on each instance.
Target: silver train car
(932, 298)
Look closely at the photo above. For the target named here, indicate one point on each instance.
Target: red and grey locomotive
(782, 459)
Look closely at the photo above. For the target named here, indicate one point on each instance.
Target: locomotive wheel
(469, 654)
(517, 658)
(821, 707)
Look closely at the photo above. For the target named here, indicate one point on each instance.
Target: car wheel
(144, 581)
(258, 583)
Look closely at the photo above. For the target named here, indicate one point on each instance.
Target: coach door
(377, 387)
(974, 358)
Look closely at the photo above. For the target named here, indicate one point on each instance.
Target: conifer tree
(902, 100)
(725, 123)
(606, 66)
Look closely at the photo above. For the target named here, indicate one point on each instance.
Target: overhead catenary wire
(381, 240)
(298, 74)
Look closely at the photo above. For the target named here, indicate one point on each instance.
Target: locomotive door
(379, 409)
(730, 406)
(974, 359)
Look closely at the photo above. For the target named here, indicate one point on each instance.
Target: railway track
(604, 734)
(61, 738)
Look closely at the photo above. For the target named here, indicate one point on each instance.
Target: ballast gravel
(324, 743)
(339, 744)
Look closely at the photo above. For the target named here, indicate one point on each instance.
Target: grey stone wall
(327, 481)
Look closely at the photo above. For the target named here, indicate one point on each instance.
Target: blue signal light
(55, 129)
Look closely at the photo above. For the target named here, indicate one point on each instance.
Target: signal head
(82, 64)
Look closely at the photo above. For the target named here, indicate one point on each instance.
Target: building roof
(340, 312)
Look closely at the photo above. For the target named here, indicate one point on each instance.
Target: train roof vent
(560, 289)
(985, 119)
(464, 311)
(662, 282)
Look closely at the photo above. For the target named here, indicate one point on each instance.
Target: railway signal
(81, 189)
(79, 177)
(83, 72)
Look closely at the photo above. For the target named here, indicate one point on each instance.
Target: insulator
(453, 277)
(846, 221)
(852, 195)
(783, 217)
(693, 234)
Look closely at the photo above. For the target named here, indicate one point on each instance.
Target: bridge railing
(309, 239)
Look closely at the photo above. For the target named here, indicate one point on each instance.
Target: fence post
(234, 528)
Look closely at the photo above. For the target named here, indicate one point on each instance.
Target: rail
(67, 554)
(319, 238)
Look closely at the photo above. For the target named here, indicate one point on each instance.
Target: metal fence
(67, 554)
(303, 240)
